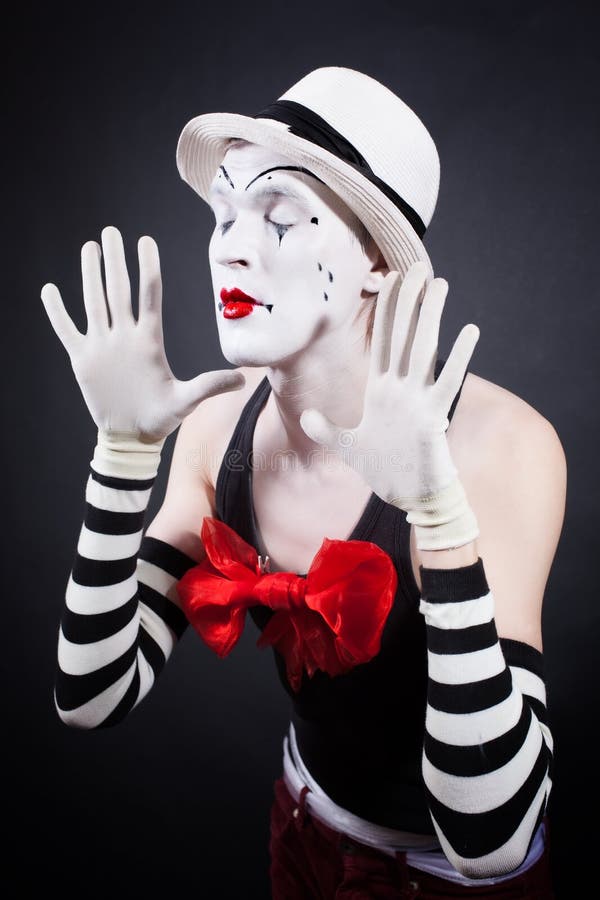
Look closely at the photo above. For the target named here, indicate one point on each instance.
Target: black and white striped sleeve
(487, 751)
(121, 618)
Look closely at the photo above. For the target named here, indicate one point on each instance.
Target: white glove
(120, 363)
(405, 414)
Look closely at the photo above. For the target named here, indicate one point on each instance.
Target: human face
(287, 243)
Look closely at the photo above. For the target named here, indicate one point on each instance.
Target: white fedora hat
(354, 134)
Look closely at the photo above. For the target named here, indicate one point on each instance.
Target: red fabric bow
(331, 620)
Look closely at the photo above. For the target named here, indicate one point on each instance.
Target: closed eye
(279, 227)
(225, 226)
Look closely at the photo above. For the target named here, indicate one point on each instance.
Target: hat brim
(202, 146)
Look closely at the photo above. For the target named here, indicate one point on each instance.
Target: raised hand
(400, 446)
(120, 363)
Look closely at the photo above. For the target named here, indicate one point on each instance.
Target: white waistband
(422, 851)
(321, 805)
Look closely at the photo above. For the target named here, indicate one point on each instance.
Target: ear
(379, 269)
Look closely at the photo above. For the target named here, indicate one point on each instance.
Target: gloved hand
(405, 414)
(120, 363)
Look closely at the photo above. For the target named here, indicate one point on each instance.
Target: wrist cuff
(450, 535)
(454, 585)
(458, 599)
(443, 520)
(123, 455)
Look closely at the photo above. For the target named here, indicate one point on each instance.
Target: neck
(331, 382)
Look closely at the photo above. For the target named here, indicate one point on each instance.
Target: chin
(253, 360)
(245, 352)
(245, 359)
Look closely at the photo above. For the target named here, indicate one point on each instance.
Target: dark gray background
(179, 794)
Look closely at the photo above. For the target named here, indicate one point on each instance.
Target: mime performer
(386, 518)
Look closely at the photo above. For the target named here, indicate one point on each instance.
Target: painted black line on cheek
(330, 275)
(320, 267)
(226, 174)
(325, 296)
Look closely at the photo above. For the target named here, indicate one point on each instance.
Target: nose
(237, 248)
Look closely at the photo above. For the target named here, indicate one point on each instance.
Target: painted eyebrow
(217, 188)
(283, 168)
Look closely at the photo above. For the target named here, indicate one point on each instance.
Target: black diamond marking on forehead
(226, 174)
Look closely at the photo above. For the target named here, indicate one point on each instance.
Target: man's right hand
(120, 363)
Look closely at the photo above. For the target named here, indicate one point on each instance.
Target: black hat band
(306, 124)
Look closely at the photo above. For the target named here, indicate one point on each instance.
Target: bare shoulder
(493, 421)
(515, 450)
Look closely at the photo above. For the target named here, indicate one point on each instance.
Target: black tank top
(360, 734)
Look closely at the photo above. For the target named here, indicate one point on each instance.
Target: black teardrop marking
(330, 276)
(314, 221)
(281, 230)
(220, 306)
(325, 295)
(320, 267)
(269, 306)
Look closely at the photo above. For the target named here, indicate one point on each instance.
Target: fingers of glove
(383, 321)
(150, 299)
(425, 343)
(208, 384)
(406, 317)
(93, 290)
(118, 288)
(450, 378)
(60, 320)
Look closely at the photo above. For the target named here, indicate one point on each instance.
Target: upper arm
(519, 500)
(189, 495)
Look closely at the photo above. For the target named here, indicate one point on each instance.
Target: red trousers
(310, 861)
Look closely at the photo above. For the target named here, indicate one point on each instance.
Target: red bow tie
(331, 620)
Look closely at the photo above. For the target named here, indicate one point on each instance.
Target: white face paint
(284, 239)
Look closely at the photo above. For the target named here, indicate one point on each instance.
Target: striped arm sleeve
(121, 617)
(487, 750)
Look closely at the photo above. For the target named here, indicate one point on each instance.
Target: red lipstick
(237, 304)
